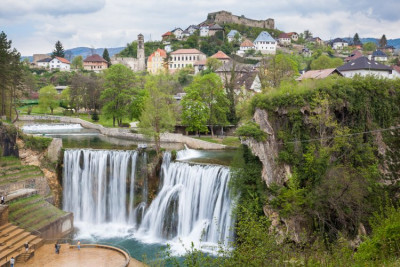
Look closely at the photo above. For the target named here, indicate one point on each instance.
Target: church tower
(140, 53)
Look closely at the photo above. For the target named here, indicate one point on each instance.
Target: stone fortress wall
(222, 17)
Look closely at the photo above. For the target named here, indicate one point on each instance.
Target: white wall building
(204, 30)
(265, 43)
(339, 43)
(363, 66)
(182, 58)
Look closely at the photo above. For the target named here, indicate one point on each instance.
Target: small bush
(95, 117)
(125, 125)
(251, 129)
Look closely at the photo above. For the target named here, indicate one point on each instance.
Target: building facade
(265, 43)
(95, 63)
(182, 58)
(156, 61)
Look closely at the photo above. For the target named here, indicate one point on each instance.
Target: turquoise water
(87, 138)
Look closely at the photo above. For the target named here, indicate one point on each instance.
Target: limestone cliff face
(267, 152)
(41, 159)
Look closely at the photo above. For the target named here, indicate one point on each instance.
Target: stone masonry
(222, 17)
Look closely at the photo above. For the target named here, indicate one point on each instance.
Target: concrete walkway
(88, 257)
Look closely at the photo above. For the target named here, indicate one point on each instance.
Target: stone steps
(14, 239)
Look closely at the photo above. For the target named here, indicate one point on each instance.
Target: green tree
(213, 64)
(65, 98)
(118, 92)
(210, 89)
(278, 68)
(383, 41)
(77, 63)
(325, 62)
(370, 46)
(48, 98)
(195, 112)
(356, 40)
(11, 75)
(106, 56)
(158, 113)
(58, 50)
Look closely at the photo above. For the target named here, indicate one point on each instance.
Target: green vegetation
(251, 129)
(48, 98)
(325, 62)
(37, 143)
(58, 50)
(33, 212)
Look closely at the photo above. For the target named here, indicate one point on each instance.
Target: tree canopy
(58, 50)
(106, 56)
(48, 98)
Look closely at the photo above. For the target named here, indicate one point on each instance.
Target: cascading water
(193, 203)
(37, 128)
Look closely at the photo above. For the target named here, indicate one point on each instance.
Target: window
(174, 65)
(170, 66)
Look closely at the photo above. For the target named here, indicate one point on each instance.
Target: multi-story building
(182, 58)
(265, 43)
(156, 61)
(56, 63)
(95, 63)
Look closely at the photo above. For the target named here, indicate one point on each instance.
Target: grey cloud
(28, 8)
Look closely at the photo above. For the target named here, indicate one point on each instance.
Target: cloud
(27, 8)
(112, 23)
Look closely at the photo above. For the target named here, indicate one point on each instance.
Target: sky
(34, 26)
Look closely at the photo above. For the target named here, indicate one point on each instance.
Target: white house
(192, 28)
(363, 66)
(379, 55)
(265, 43)
(56, 63)
(284, 39)
(43, 63)
(204, 30)
(246, 45)
(182, 58)
(231, 35)
(294, 36)
(178, 32)
(339, 43)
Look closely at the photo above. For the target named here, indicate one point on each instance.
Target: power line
(338, 136)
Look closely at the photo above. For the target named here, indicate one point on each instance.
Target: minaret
(140, 53)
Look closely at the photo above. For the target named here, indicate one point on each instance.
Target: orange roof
(220, 55)
(63, 60)
(162, 52)
(247, 43)
(94, 58)
(166, 34)
(186, 51)
(291, 33)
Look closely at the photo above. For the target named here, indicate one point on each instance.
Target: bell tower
(140, 53)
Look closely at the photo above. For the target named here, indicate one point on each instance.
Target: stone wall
(54, 149)
(39, 183)
(59, 228)
(126, 134)
(222, 17)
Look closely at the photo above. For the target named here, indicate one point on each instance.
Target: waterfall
(193, 200)
(38, 128)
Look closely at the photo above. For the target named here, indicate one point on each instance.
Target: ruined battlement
(222, 17)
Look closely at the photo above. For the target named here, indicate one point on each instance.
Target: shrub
(95, 117)
(251, 129)
(36, 142)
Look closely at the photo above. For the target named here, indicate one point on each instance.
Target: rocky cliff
(8, 136)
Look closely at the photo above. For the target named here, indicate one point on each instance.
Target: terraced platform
(12, 240)
(12, 171)
(33, 212)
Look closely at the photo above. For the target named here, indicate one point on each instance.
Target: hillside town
(221, 142)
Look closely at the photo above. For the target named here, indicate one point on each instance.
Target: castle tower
(140, 53)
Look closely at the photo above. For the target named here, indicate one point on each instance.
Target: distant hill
(84, 52)
(393, 42)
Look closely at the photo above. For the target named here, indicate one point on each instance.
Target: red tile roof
(283, 35)
(220, 55)
(291, 33)
(94, 58)
(396, 68)
(247, 43)
(162, 52)
(63, 60)
(166, 34)
(186, 51)
(356, 54)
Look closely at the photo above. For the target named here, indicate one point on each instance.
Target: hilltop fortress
(222, 17)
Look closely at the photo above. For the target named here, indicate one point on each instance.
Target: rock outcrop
(8, 145)
(267, 152)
